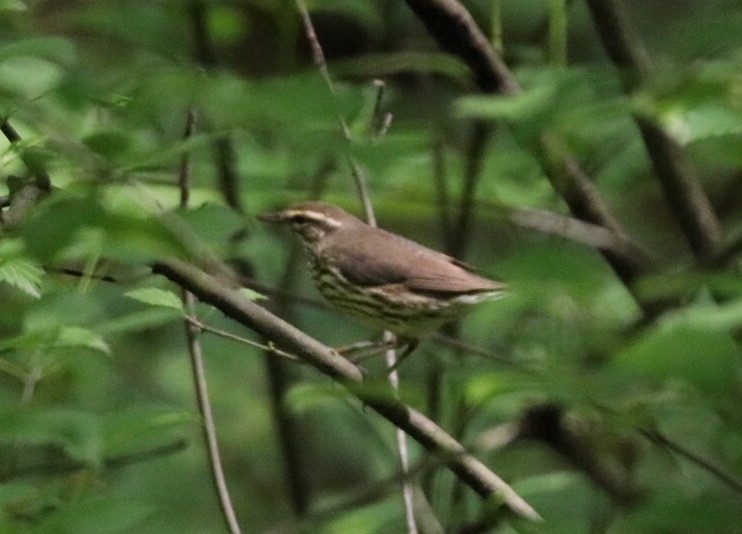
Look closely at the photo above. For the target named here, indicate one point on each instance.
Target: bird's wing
(383, 258)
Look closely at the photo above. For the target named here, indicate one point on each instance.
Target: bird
(382, 279)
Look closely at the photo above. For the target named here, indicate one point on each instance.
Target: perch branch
(471, 470)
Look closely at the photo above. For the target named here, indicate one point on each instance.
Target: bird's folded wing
(385, 259)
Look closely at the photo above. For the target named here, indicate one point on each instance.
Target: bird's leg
(364, 349)
(410, 346)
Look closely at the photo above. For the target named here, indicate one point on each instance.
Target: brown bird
(380, 278)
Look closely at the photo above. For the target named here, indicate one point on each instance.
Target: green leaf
(676, 350)
(118, 224)
(251, 294)
(303, 398)
(154, 317)
(75, 432)
(55, 49)
(519, 107)
(101, 515)
(75, 337)
(403, 62)
(18, 271)
(709, 317)
(143, 427)
(156, 297)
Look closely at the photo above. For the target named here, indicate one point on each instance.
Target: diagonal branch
(41, 177)
(471, 470)
(684, 193)
(456, 32)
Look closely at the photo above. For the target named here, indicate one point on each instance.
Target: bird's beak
(273, 217)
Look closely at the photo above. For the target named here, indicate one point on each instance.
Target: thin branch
(477, 475)
(689, 203)
(279, 381)
(458, 239)
(442, 197)
(232, 337)
(365, 198)
(408, 491)
(318, 57)
(197, 362)
(717, 471)
(576, 230)
(558, 33)
(184, 171)
(547, 424)
(730, 249)
(204, 407)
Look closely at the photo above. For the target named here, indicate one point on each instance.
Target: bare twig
(204, 407)
(576, 230)
(232, 337)
(279, 382)
(456, 32)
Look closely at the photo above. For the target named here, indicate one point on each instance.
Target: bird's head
(313, 221)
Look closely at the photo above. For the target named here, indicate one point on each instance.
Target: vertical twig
(441, 189)
(497, 35)
(197, 362)
(363, 193)
(558, 33)
(459, 240)
(474, 161)
(279, 381)
(229, 183)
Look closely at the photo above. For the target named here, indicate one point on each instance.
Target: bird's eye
(299, 219)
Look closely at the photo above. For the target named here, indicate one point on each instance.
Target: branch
(456, 32)
(472, 471)
(112, 462)
(547, 423)
(42, 180)
(197, 359)
(684, 193)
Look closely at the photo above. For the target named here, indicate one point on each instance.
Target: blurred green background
(99, 430)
